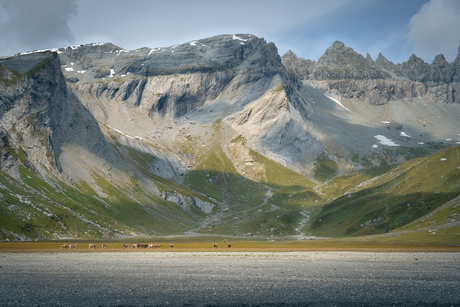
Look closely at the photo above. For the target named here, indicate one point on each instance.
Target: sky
(394, 28)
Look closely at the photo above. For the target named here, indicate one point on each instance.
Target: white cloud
(166, 23)
(435, 29)
(30, 24)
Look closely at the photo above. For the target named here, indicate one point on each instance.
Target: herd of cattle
(136, 245)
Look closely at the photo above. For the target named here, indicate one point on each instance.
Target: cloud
(32, 24)
(435, 29)
(147, 23)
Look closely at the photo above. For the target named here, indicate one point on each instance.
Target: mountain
(214, 136)
(349, 75)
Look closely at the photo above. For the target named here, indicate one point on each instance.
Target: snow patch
(420, 143)
(443, 159)
(405, 135)
(193, 43)
(385, 141)
(69, 69)
(153, 50)
(124, 134)
(112, 73)
(385, 122)
(81, 71)
(338, 102)
(41, 50)
(375, 146)
(239, 38)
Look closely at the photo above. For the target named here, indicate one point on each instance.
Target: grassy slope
(270, 201)
(267, 204)
(394, 199)
(79, 212)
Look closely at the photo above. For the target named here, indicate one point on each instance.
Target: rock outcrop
(95, 138)
(344, 73)
(40, 116)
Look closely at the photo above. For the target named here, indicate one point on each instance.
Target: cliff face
(142, 92)
(346, 74)
(98, 141)
(40, 116)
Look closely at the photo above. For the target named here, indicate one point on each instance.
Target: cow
(229, 245)
(171, 245)
(144, 245)
(104, 245)
(73, 246)
(64, 246)
(215, 245)
(155, 245)
(92, 246)
(136, 245)
(125, 245)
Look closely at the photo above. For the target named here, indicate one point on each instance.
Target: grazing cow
(126, 245)
(64, 246)
(155, 245)
(105, 245)
(171, 245)
(73, 246)
(215, 245)
(92, 246)
(136, 245)
(144, 245)
(229, 245)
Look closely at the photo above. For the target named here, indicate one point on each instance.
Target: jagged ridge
(214, 135)
(439, 81)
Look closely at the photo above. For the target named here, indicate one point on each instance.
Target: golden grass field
(359, 244)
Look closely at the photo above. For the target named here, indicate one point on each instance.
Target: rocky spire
(383, 62)
(415, 69)
(342, 62)
(456, 67)
(440, 69)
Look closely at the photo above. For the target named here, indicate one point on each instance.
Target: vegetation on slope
(253, 194)
(393, 200)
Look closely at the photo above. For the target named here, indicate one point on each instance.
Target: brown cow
(92, 246)
(126, 245)
(155, 245)
(104, 245)
(73, 246)
(171, 245)
(215, 245)
(64, 246)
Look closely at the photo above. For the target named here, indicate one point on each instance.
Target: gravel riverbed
(229, 279)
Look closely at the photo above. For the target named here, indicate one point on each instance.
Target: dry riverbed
(229, 279)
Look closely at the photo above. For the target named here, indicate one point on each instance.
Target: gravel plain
(230, 279)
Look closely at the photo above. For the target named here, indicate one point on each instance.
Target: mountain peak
(338, 44)
(218, 53)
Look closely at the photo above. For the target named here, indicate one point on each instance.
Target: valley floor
(230, 279)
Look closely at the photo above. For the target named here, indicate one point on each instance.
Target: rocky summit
(223, 136)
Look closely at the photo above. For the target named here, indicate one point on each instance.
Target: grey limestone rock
(349, 75)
